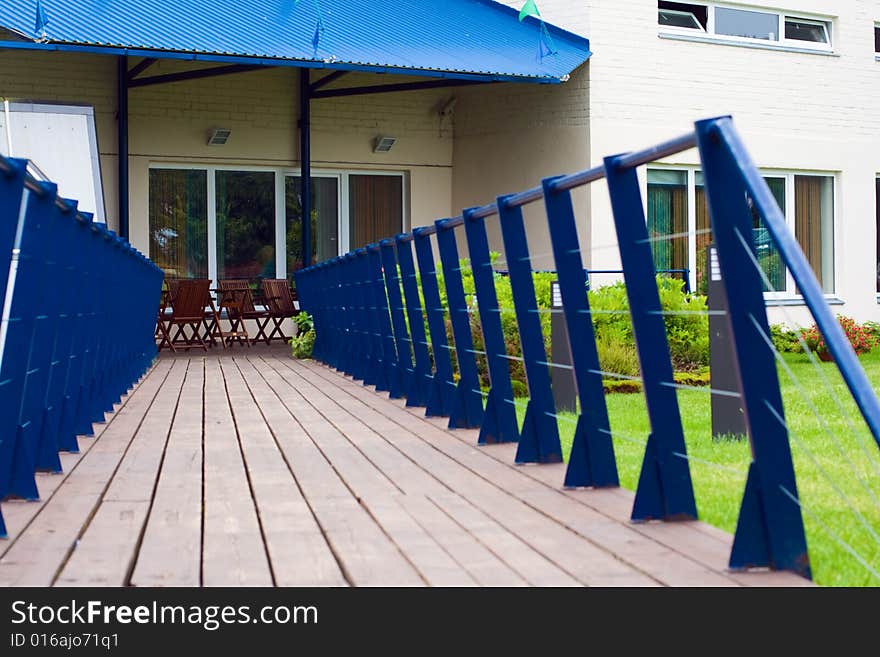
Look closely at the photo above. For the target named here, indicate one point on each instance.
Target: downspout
(305, 149)
(122, 122)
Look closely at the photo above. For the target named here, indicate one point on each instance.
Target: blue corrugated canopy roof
(476, 39)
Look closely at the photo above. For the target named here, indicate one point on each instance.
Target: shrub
(687, 324)
(617, 356)
(304, 340)
(684, 378)
(860, 338)
(687, 321)
(873, 329)
(784, 339)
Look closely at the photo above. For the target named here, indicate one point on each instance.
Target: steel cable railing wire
(607, 374)
(871, 455)
(63, 365)
(472, 312)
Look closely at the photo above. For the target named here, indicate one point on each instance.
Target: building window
(814, 224)
(750, 25)
(877, 209)
(210, 222)
(877, 39)
(178, 216)
(668, 218)
(245, 210)
(680, 232)
(679, 14)
(801, 29)
(768, 256)
(375, 208)
(325, 220)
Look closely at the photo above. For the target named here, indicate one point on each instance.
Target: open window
(683, 15)
(731, 24)
(802, 29)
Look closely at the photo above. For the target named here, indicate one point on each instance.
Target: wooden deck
(254, 469)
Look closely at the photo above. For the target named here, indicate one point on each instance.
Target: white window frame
(281, 173)
(827, 22)
(699, 27)
(788, 294)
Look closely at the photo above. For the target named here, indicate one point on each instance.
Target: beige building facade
(806, 109)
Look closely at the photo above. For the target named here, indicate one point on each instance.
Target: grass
(837, 464)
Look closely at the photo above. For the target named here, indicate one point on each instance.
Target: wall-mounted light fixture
(219, 136)
(383, 144)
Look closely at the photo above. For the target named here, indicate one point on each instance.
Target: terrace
(255, 469)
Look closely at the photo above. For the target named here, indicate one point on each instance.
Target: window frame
(789, 294)
(781, 42)
(698, 27)
(281, 174)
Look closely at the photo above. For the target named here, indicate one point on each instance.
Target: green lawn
(837, 465)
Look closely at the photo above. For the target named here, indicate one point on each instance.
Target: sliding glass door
(324, 220)
(245, 207)
(246, 222)
(178, 215)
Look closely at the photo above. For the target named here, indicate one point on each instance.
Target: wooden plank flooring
(249, 468)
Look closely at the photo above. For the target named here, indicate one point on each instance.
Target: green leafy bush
(784, 339)
(687, 325)
(304, 340)
(686, 319)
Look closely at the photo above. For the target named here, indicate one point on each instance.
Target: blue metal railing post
(665, 490)
(467, 409)
(12, 195)
(420, 383)
(403, 364)
(25, 323)
(384, 337)
(441, 395)
(66, 353)
(539, 441)
(591, 461)
(69, 286)
(355, 347)
(37, 395)
(499, 419)
(770, 529)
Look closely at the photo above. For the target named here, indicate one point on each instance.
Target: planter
(825, 356)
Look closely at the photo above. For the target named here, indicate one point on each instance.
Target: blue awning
(468, 39)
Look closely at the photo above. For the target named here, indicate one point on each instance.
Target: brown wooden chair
(281, 303)
(188, 303)
(237, 298)
(163, 339)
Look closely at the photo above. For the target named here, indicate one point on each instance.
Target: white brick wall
(510, 136)
(795, 111)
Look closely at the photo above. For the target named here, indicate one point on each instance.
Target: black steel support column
(122, 122)
(305, 150)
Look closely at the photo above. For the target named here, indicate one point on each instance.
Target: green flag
(529, 9)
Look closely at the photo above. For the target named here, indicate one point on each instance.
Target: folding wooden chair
(238, 301)
(281, 303)
(188, 310)
(162, 336)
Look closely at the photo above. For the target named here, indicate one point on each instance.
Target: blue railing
(364, 328)
(79, 310)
